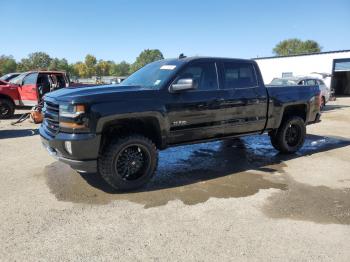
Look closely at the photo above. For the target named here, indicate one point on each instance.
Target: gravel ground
(235, 200)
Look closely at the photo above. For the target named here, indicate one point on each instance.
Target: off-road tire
(7, 108)
(279, 138)
(107, 163)
(273, 141)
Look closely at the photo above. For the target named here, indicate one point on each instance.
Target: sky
(120, 30)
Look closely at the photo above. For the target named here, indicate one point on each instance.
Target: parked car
(117, 130)
(28, 88)
(3, 83)
(9, 76)
(305, 80)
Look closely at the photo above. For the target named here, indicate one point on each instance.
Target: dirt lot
(233, 200)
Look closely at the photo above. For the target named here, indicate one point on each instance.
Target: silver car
(305, 80)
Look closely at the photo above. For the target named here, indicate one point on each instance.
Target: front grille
(51, 117)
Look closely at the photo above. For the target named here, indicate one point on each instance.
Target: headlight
(71, 111)
(72, 116)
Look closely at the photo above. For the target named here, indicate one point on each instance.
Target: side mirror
(183, 84)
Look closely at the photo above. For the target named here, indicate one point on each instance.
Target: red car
(28, 88)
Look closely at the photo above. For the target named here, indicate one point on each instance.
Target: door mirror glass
(183, 84)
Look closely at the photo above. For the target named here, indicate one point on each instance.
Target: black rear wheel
(129, 162)
(7, 108)
(290, 136)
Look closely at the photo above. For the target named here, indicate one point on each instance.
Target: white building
(335, 64)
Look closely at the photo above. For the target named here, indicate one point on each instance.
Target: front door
(192, 113)
(28, 94)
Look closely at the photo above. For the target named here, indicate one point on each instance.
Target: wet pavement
(228, 169)
(232, 200)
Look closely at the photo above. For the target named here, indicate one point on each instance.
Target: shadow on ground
(193, 174)
(329, 108)
(15, 133)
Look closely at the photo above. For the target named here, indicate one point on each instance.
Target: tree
(7, 65)
(59, 64)
(90, 62)
(81, 69)
(296, 46)
(37, 60)
(103, 68)
(146, 56)
(121, 69)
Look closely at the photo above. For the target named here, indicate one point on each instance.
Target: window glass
(30, 79)
(239, 75)
(153, 75)
(18, 80)
(203, 74)
(320, 82)
(283, 82)
(311, 82)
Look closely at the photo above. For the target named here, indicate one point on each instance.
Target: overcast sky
(120, 30)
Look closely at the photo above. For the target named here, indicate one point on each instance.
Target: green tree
(59, 64)
(90, 62)
(296, 46)
(103, 68)
(81, 69)
(37, 60)
(121, 69)
(7, 65)
(147, 56)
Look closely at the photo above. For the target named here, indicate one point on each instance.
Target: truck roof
(192, 58)
(47, 72)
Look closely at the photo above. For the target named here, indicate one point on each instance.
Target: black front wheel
(7, 108)
(129, 162)
(290, 136)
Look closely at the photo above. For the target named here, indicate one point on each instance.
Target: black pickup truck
(118, 130)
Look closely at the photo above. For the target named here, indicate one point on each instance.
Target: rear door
(192, 113)
(243, 98)
(28, 93)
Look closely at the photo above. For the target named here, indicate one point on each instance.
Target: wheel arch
(290, 110)
(150, 126)
(3, 96)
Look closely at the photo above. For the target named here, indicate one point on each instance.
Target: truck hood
(96, 93)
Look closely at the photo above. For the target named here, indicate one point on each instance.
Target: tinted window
(239, 75)
(204, 74)
(30, 79)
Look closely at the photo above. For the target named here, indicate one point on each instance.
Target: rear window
(239, 75)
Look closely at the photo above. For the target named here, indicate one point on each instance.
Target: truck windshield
(18, 79)
(153, 75)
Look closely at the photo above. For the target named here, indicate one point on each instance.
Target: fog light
(68, 146)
